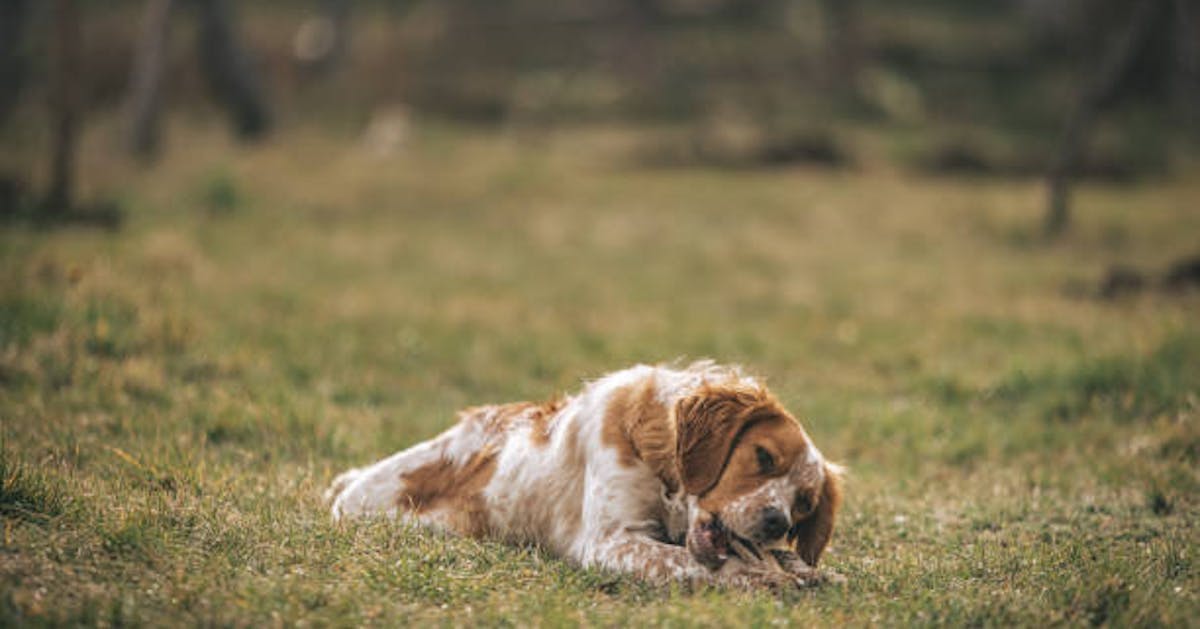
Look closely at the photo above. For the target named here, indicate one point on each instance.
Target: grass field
(176, 396)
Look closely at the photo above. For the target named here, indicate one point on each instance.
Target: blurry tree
(226, 64)
(13, 18)
(843, 43)
(1187, 63)
(145, 90)
(637, 21)
(230, 70)
(64, 107)
(1150, 22)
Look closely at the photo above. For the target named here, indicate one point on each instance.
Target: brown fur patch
(541, 416)
(709, 424)
(779, 435)
(638, 426)
(811, 535)
(456, 490)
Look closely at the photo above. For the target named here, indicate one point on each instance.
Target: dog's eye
(803, 505)
(766, 462)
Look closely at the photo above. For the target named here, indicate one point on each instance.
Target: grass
(25, 494)
(176, 396)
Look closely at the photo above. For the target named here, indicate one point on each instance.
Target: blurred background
(1098, 89)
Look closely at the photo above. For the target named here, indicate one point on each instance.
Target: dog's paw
(756, 576)
(808, 576)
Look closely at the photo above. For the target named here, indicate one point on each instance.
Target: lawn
(175, 396)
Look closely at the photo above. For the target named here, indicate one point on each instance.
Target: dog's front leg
(658, 562)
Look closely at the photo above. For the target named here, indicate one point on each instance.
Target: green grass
(175, 397)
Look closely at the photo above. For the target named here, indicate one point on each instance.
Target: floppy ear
(811, 535)
(708, 423)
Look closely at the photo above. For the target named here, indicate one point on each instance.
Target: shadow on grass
(27, 494)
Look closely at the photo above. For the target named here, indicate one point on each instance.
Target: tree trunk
(843, 43)
(64, 107)
(1187, 64)
(1092, 100)
(636, 53)
(338, 12)
(13, 19)
(231, 71)
(145, 86)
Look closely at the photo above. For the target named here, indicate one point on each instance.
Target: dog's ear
(811, 535)
(707, 425)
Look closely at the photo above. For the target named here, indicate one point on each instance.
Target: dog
(692, 475)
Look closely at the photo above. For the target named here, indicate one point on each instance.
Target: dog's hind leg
(378, 489)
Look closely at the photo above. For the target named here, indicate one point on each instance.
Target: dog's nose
(773, 524)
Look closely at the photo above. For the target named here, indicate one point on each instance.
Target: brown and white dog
(694, 475)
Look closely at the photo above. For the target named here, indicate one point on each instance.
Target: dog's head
(752, 474)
